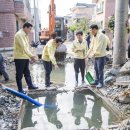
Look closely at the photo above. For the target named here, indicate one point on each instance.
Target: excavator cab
(44, 36)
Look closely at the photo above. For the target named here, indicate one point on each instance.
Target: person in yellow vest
(22, 55)
(97, 50)
(48, 57)
(79, 48)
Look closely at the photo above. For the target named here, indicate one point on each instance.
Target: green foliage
(72, 27)
(111, 23)
(80, 24)
(83, 25)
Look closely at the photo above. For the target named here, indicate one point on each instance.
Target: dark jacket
(1, 58)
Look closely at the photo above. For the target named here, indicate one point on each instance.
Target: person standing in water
(79, 48)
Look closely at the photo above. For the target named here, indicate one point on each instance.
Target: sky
(62, 8)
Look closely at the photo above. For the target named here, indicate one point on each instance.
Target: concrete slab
(29, 128)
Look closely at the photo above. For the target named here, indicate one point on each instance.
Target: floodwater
(72, 111)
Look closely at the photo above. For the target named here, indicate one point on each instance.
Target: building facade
(103, 11)
(82, 10)
(13, 13)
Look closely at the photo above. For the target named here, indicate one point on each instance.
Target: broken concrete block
(125, 69)
(124, 99)
(111, 127)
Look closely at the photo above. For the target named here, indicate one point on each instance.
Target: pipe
(24, 96)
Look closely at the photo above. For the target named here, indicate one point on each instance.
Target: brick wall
(6, 6)
(8, 27)
(8, 12)
(19, 7)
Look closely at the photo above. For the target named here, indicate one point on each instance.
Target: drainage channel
(74, 109)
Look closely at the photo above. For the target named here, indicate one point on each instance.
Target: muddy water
(74, 110)
(38, 74)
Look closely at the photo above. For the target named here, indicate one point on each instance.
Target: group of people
(22, 55)
(80, 49)
(97, 50)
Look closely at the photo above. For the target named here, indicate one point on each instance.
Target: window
(17, 25)
(100, 7)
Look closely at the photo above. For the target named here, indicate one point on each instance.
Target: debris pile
(125, 125)
(9, 110)
(117, 91)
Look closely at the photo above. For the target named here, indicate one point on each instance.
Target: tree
(72, 28)
(121, 15)
(80, 24)
(83, 25)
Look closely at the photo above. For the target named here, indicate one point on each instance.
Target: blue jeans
(99, 69)
(48, 69)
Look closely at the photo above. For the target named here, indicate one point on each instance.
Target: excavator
(45, 33)
(56, 24)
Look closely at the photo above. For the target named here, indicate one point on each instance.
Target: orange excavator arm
(52, 14)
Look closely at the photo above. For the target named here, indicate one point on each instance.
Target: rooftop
(83, 5)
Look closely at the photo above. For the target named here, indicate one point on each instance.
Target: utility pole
(35, 20)
(120, 33)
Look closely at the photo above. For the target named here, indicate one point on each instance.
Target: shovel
(88, 75)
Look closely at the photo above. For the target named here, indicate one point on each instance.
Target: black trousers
(48, 69)
(22, 68)
(129, 51)
(79, 64)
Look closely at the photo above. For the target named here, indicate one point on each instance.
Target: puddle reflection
(52, 112)
(82, 111)
(75, 110)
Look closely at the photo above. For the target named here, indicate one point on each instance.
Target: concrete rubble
(115, 91)
(125, 125)
(9, 111)
(117, 88)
